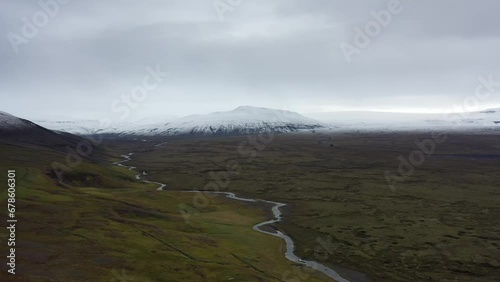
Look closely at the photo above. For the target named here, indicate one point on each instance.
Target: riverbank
(428, 229)
(263, 227)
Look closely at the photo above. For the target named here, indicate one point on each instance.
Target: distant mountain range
(386, 121)
(249, 120)
(242, 120)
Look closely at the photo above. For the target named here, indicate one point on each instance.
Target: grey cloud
(281, 54)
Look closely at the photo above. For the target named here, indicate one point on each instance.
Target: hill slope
(21, 132)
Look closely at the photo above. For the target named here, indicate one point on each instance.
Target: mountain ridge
(22, 132)
(242, 120)
(250, 120)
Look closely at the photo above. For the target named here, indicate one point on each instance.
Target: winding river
(290, 246)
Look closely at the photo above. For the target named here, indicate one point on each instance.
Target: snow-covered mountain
(385, 121)
(248, 120)
(95, 126)
(10, 123)
(242, 120)
(22, 132)
(82, 127)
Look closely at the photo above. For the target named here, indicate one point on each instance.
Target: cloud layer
(280, 54)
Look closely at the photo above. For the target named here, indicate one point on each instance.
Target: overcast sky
(281, 54)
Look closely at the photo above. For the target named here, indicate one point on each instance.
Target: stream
(290, 246)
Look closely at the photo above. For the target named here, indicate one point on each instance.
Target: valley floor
(438, 223)
(102, 225)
